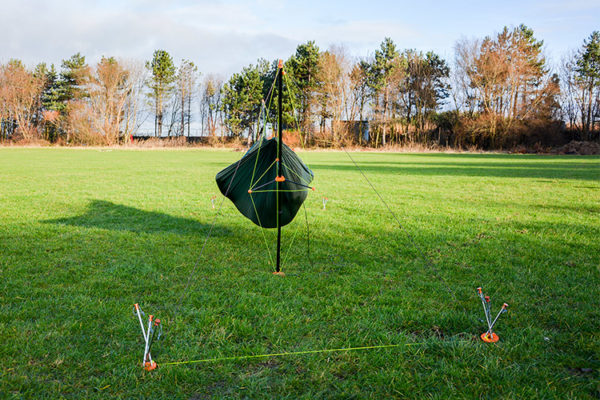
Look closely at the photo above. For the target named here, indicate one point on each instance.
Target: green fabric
(261, 179)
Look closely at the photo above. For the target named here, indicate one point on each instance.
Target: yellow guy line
(263, 174)
(262, 230)
(206, 360)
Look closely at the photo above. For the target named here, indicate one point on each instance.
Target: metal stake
(485, 307)
(502, 311)
(139, 312)
(147, 357)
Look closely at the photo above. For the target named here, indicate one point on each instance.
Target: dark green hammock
(256, 172)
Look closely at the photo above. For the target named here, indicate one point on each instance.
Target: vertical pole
(279, 136)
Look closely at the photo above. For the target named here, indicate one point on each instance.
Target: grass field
(85, 233)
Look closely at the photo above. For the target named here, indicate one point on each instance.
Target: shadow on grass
(477, 166)
(106, 215)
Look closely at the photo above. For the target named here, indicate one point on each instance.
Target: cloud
(223, 36)
(218, 37)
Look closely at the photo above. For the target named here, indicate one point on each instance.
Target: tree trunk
(589, 125)
(189, 112)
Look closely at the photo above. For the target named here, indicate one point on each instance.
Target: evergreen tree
(52, 91)
(303, 68)
(72, 79)
(268, 72)
(242, 98)
(424, 84)
(163, 75)
(50, 104)
(588, 74)
(380, 72)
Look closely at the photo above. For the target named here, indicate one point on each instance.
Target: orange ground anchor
(278, 273)
(150, 365)
(489, 338)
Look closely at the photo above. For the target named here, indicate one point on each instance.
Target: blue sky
(223, 36)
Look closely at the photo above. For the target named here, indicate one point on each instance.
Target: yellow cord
(262, 231)
(206, 360)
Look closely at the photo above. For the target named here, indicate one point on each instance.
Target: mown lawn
(85, 233)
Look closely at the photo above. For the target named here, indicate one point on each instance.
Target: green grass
(84, 234)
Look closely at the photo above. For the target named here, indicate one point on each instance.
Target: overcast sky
(223, 36)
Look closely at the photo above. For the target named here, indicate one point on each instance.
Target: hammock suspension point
(269, 184)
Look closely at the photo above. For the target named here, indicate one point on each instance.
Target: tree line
(498, 92)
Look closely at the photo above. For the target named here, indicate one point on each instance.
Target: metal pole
(485, 307)
(138, 311)
(279, 135)
(502, 310)
(147, 357)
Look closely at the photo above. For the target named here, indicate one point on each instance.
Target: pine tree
(588, 73)
(160, 83)
(379, 74)
(50, 105)
(73, 78)
(303, 68)
(242, 97)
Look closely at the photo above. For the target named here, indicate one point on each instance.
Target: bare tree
(505, 79)
(187, 77)
(20, 93)
(334, 86)
(463, 94)
(108, 90)
(174, 107)
(109, 112)
(358, 93)
(210, 103)
(135, 114)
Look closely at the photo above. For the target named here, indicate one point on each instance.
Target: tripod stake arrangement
(149, 335)
(489, 336)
